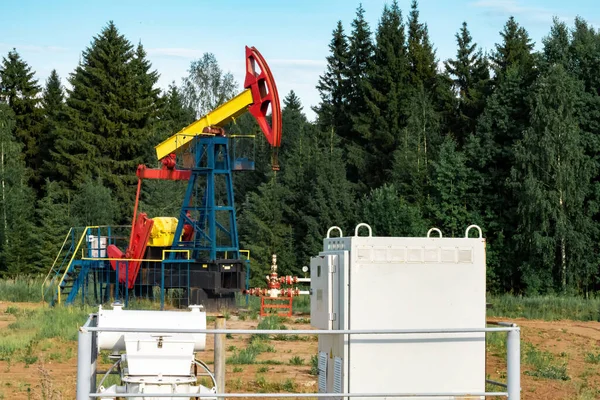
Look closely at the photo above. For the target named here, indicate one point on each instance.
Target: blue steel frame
(211, 160)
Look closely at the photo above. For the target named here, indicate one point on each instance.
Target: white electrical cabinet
(376, 283)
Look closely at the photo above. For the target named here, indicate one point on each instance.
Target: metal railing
(87, 354)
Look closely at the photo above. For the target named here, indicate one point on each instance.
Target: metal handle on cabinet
(363, 224)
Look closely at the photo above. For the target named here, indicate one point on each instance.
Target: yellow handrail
(85, 230)
(55, 260)
(247, 253)
(175, 251)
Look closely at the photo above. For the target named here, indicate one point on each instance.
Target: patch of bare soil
(53, 375)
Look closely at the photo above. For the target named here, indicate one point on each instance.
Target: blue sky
(292, 35)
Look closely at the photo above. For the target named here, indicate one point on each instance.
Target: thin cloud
(32, 48)
(187, 53)
(179, 52)
(298, 63)
(506, 8)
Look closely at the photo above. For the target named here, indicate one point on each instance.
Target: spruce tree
(422, 60)
(387, 98)
(452, 205)
(264, 231)
(53, 223)
(17, 245)
(470, 72)
(389, 214)
(333, 85)
(53, 106)
(20, 91)
(360, 65)
(552, 179)
(516, 49)
(108, 117)
(491, 152)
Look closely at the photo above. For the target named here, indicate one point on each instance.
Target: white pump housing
(155, 362)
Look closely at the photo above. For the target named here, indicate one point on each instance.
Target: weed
(253, 315)
(229, 336)
(245, 356)
(314, 365)
(235, 384)
(268, 323)
(242, 317)
(49, 392)
(289, 385)
(238, 369)
(592, 358)
(231, 348)
(262, 370)
(302, 320)
(12, 310)
(543, 364)
(270, 362)
(296, 360)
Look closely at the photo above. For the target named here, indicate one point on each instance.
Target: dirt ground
(570, 341)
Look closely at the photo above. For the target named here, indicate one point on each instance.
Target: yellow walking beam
(220, 116)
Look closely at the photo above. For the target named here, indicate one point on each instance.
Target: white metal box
(375, 283)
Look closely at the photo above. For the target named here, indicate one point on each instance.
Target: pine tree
(53, 105)
(471, 80)
(552, 179)
(20, 91)
(333, 85)
(108, 117)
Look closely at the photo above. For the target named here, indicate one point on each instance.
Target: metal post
(85, 386)
(162, 285)
(513, 361)
(220, 355)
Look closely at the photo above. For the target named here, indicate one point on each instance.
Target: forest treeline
(508, 140)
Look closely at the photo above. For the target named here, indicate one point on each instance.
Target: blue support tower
(213, 222)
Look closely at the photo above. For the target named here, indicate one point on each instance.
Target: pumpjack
(199, 250)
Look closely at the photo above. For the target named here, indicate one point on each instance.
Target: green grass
(249, 354)
(21, 289)
(544, 364)
(297, 360)
(300, 305)
(548, 308)
(19, 342)
(592, 358)
(314, 365)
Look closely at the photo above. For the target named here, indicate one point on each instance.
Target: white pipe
(304, 292)
(303, 279)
